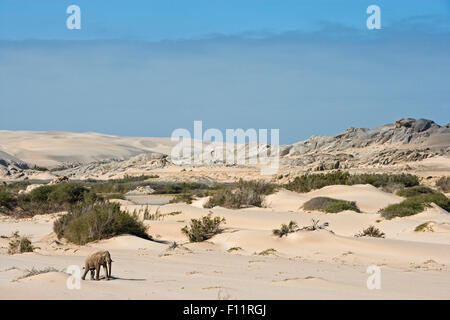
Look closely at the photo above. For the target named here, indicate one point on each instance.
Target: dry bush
(203, 229)
(285, 229)
(19, 244)
(242, 194)
(371, 231)
(35, 272)
(443, 184)
(267, 252)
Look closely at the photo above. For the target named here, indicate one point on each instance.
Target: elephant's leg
(92, 274)
(105, 268)
(85, 272)
(97, 270)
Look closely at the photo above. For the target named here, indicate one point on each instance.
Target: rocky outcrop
(404, 131)
(404, 141)
(10, 166)
(59, 179)
(115, 168)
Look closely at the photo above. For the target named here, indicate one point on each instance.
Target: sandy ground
(304, 265)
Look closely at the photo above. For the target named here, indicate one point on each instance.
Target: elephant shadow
(126, 279)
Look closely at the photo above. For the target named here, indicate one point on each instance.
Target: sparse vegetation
(243, 193)
(234, 249)
(122, 186)
(203, 229)
(371, 231)
(44, 199)
(425, 227)
(183, 197)
(285, 229)
(42, 169)
(415, 204)
(443, 184)
(173, 213)
(316, 226)
(35, 272)
(114, 196)
(151, 216)
(330, 205)
(7, 200)
(88, 222)
(308, 182)
(127, 178)
(179, 187)
(414, 191)
(19, 244)
(267, 252)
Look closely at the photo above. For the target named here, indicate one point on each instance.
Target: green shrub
(44, 199)
(184, 197)
(371, 231)
(7, 200)
(179, 187)
(414, 191)
(285, 229)
(415, 204)
(88, 222)
(443, 184)
(128, 184)
(19, 244)
(127, 178)
(109, 188)
(243, 193)
(203, 229)
(53, 198)
(15, 186)
(59, 193)
(308, 182)
(424, 227)
(330, 205)
(112, 196)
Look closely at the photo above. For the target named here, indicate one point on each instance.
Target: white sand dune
(128, 242)
(53, 148)
(285, 200)
(367, 197)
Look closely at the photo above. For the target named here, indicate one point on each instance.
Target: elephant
(94, 262)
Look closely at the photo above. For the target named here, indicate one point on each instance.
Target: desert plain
(246, 260)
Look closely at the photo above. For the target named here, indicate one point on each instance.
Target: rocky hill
(10, 165)
(404, 141)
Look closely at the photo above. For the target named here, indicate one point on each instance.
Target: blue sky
(145, 68)
(152, 20)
